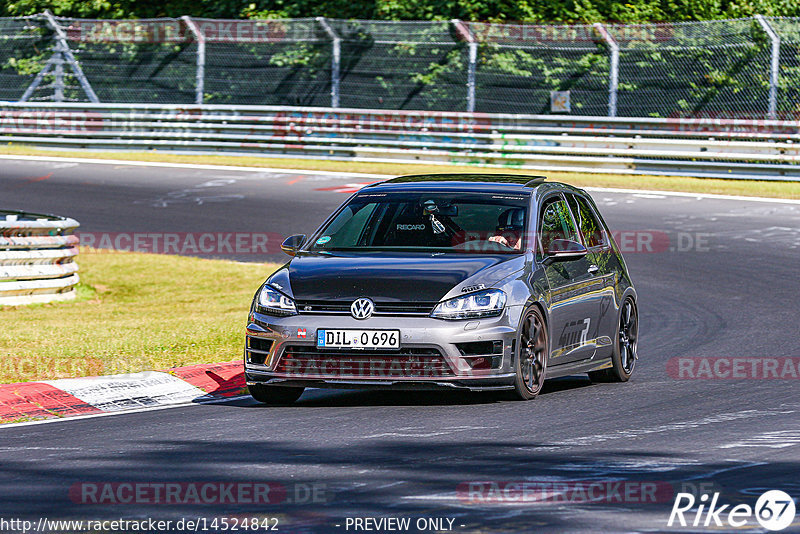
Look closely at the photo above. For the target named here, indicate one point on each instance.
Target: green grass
(134, 312)
(760, 188)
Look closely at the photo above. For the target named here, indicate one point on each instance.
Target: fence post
(200, 76)
(65, 55)
(336, 43)
(774, 65)
(465, 33)
(613, 71)
(58, 79)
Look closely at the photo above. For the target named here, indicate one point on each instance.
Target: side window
(591, 229)
(555, 223)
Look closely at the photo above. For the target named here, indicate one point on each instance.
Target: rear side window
(592, 230)
(555, 223)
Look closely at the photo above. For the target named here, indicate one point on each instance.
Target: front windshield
(445, 222)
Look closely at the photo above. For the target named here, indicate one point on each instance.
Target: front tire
(624, 357)
(530, 364)
(274, 395)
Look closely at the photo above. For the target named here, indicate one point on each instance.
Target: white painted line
(196, 402)
(190, 166)
(641, 432)
(740, 465)
(121, 392)
(443, 432)
(779, 439)
(699, 196)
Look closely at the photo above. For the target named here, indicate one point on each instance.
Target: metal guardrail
(37, 258)
(752, 149)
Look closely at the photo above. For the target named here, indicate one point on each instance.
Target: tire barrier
(37, 258)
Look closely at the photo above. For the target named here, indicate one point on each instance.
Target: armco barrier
(37, 258)
(720, 148)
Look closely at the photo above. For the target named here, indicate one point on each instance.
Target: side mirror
(293, 243)
(564, 250)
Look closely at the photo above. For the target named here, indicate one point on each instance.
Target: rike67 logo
(774, 510)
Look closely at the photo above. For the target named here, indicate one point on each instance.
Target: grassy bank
(582, 179)
(134, 312)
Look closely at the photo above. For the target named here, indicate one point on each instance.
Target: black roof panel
(463, 181)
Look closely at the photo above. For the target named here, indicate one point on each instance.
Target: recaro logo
(362, 308)
(774, 510)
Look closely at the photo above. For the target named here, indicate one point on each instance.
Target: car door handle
(593, 269)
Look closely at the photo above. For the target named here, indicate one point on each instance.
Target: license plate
(358, 339)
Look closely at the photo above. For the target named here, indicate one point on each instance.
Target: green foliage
(26, 65)
(629, 11)
(717, 69)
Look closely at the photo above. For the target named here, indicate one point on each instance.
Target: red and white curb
(68, 397)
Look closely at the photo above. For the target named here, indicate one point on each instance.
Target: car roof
(474, 182)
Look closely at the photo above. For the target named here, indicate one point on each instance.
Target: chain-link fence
(25, 47)
(133, 61)
(517, 67)
(745, 68)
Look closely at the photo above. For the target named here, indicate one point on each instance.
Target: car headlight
(489, 303)
(274, 302)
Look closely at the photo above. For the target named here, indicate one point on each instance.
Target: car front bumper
(473, 354)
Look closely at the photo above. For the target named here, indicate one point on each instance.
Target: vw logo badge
(362, 308)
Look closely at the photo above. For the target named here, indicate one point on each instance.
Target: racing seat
(409, 228)
(412, 228)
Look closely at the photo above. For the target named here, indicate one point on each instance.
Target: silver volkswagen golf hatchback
(472, 281)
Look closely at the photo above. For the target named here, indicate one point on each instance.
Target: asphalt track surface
(373, 454)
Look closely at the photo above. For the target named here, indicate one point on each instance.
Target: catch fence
(730, 69)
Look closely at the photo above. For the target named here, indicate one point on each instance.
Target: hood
(397, 277)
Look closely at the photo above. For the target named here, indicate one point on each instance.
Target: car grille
(326, 307)
(300, 360)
